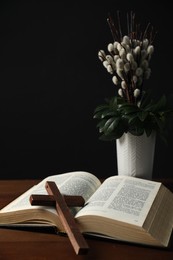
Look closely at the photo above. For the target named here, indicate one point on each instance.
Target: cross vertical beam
(55, 198)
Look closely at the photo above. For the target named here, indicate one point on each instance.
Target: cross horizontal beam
(48, 200)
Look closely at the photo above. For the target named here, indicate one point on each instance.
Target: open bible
(121, 208)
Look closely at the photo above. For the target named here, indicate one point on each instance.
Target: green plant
(117, 117)
(133, 109)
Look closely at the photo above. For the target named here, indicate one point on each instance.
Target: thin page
(72, 183)
(126, 199)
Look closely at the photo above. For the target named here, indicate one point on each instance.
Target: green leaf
(148, 131)
(158, 122)
(161, 104)
(156, 106)
(128, 109)
(101, 123)
(98, 115)
(100, 108)
(108, 113)
(136, 131)
(108, 123)
(142, 115)
(133, 121)
(113, 125)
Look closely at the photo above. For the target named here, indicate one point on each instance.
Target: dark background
(51, 80)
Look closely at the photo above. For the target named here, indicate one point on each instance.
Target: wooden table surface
(39, 244)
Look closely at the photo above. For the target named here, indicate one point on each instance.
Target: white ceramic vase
(135, 155)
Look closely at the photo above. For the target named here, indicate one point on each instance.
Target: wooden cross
(54, 198)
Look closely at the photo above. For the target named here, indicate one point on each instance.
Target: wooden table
(34, 244)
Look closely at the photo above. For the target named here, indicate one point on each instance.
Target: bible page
(122, 198)
(72, 183)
